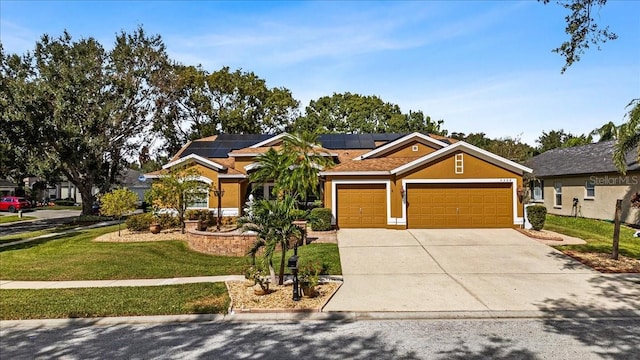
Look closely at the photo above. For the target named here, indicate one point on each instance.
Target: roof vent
(414, 148)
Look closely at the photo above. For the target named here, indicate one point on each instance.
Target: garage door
(459, 206)
(362, 206)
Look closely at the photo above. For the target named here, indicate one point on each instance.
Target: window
(459, 164)
(590, 189)
(200, 200)
(557, 190)
(537, 193)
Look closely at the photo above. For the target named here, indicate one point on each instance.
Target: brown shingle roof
(376, 164)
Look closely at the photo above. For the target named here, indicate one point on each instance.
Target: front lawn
(74, 256)
(27, 235)
(598, 235)
(14, 218)
(199, 298)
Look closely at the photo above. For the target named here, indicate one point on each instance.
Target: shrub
(300, 214)
(536, 214)
(139, 222)
(320, 219)
(168, 221)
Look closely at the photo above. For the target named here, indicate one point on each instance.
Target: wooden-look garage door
(362, 206)
(459, 205)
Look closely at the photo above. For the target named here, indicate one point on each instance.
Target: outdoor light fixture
(293, 265)
(219, 193)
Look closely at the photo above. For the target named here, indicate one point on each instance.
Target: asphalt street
(403, 339)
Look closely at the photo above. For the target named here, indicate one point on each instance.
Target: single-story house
(394, 181)
(64, 189)
(583, 181)
(7, 187)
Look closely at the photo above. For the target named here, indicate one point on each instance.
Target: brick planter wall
(227, 244)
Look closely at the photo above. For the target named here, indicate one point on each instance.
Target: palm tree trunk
(281, 275)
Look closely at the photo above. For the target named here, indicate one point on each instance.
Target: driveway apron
(470, 270)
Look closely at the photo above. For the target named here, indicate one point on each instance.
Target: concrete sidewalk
(10, 284)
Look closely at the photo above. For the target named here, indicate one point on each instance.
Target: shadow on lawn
(37, 242)
(622, 292)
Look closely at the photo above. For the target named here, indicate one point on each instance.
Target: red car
(13, 203)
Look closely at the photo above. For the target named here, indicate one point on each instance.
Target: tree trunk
(87, 199)
(272, 272)
(616, 229)
(281, 274)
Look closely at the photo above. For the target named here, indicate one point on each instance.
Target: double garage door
(429, 206)
(459, 205)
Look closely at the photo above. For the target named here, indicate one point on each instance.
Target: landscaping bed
(598, 235)
(604, 263)
(243, 298)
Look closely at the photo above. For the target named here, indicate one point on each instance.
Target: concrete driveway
(471, 270)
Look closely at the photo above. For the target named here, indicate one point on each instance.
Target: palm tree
(628, 137)
(272, 166)
(272, 221)
(294, 168)
(306, 159)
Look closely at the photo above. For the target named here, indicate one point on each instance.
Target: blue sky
(481, 66)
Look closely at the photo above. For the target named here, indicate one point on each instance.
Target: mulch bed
(604, 263)
(279, 299)
(540, 234)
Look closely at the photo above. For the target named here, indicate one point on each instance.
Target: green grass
(60, 207)
(75, 257)
(29, 235)
(14, 218)
(197, 298)
(326, 254)
(598, 235)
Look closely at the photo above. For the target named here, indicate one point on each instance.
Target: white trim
(401, 141)
(514, 189)
(200, 178)
(269, 141)
(334, 196)
(152, 176)
(473, 150)
(459, 163)
(253, 165)
(199, 159)
(224, 211)
(354, 173)
(232, 176)
(233, 154)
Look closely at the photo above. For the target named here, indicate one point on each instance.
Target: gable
(401, 146)
(444, 167)
(410, 149)
(466, 148)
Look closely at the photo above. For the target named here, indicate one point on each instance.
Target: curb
(319, 316)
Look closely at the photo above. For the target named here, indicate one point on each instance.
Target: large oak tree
(74, 107)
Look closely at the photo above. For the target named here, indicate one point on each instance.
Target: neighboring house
(583, 181)
(64, 189)
(7, 187)
(394, 181)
